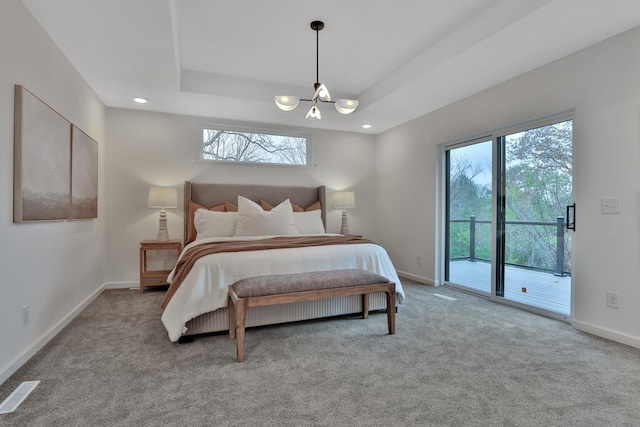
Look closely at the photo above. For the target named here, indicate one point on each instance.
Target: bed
(199, 304)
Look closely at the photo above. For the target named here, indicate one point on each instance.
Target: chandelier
(343, 106)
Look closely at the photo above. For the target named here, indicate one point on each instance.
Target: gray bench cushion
(299, 282)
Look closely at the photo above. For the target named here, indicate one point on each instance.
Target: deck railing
(558, 224)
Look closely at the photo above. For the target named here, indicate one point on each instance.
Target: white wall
(155, 149)
(54, 267)
(394, 181)
(602, 84)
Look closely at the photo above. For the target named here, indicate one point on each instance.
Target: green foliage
(469, 196)
(538, 189)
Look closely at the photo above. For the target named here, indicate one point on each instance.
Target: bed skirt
(218, 321)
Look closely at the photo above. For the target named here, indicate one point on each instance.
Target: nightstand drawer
(154, 278)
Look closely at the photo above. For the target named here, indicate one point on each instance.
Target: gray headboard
(209, 194)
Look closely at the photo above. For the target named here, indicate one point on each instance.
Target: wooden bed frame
(208, 195)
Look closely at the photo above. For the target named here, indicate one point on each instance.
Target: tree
(538, 189)
(468, 197)
(236, 146)
(538, 186)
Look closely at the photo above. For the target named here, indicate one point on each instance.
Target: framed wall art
(42, 160)
(84, 175)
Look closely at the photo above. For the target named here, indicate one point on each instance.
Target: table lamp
(344, 200)
(163, 198)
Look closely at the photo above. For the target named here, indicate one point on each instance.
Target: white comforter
(205, 288)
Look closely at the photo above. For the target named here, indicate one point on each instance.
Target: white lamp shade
(287, 103)
(160, 197)
(322, 93)
(314, 112)
(346, 106)
(344, 200)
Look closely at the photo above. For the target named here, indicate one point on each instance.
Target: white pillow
(255, 221)
(309, 222)
(214, 224)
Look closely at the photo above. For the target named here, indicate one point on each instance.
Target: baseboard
(11, 367)
(122, 285)
(607, 333)
(416, 278)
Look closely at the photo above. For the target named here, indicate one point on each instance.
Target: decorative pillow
(314, 207)
(309, 222)
(193, 207)
(214, 223)
(296, 208)
(267, 206)
(255, 221)
(230, 207)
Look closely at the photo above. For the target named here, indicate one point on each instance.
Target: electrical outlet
(611, 205)
(25, 315)
(613, 299)
(419, 260)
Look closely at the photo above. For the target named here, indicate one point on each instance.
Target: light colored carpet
(468, 362)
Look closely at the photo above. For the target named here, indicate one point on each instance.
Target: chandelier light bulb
(346, 106)
(287, 103)
(322, 93)
(314, 112)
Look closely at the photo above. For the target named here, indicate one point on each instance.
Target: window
(244, 146)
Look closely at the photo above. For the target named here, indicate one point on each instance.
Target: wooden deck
(543, 290)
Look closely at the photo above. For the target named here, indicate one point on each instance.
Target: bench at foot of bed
(287, 288)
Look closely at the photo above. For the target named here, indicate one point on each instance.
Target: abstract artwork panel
(84, 175)
(42, 160)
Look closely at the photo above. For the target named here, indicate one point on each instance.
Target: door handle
(571, 217)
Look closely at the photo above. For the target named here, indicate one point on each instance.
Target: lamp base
(345, 228)
(163, 233)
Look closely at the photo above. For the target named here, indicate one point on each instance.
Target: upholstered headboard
(208, 194)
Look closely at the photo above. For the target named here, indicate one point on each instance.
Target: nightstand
(155, 277)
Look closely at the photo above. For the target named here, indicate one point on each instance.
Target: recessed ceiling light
(366, 126)
(140, 100)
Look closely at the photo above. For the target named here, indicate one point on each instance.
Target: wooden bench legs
(237, 316)
(238, 306)
(391, 310)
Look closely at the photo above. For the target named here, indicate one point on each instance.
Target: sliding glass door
(469, 207)
(537, 170)
(506, 199)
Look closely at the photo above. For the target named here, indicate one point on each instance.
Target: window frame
(258, 130)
